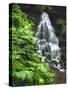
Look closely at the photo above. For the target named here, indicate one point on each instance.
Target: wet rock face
(60, 77)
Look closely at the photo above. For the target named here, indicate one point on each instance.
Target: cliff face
(57, 16)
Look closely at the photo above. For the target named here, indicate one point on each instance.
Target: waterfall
(47, 43)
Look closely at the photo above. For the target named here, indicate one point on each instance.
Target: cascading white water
(46, 40)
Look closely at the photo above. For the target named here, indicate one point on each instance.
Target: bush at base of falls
(33, 74)
(26, 69)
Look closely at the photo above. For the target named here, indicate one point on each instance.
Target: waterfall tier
(47, 42)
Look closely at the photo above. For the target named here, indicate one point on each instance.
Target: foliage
(27, 68)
